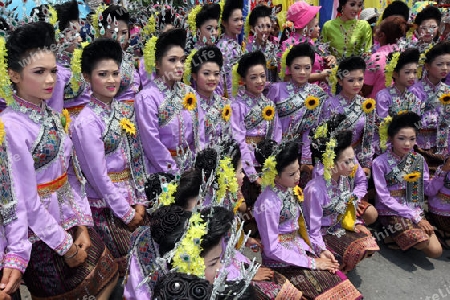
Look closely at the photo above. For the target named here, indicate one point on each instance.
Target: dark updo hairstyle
(350, 64)
(153, 185)
(300, 50)
(116, 12)
(167, 40)
(208, 12)
(260, 11)
(249, 60)
(343, 139)
(67, 11)
(232, 288)
(396, 8)
(166, 19)
(98, 50)
(27, 40)
(175, 285)
(219, 221)
(341, 5)
(405, 120)
(440, 49)
(284, 158)
(168, 224)
(428, 13)
(204, 55)
(394, 28)
(408, 56)
(229, 7)
(206, 161)
(189, 187)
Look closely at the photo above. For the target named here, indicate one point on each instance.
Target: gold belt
(398, 193)
(46, 189)
(120, 176)
(444, 197)
(254, 139)
(75, 110)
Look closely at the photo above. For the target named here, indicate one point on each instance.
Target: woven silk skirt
(406, 233)
(49, 277)
(350, 248)
(441, 222)
(277, 288)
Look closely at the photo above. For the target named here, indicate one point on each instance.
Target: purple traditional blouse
(232, 52)
(2, 104)
(249, 126)
(165, 125)
(44, 178)
(271, 53)
(435, 122)
(361, 124)
(105, 150)
(390, 101)
(276, 213)
(295, 117)
(395, 196)
(439, 196)
(130, 80)
(216, 125)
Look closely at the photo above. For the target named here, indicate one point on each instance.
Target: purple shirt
(215, 125)
(130, 80)
(232, 52)
(437, 193)
(390, 101)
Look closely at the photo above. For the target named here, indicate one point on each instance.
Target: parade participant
(428, 22)
(68, 258)
(204, 24)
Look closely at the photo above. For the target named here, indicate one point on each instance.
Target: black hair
(117, 12)
(153, 184)
(249, 60)
(204, 55)
(67, 11)
(396, 8)
(343, 139)
(41, 12)
(341, 5)
(175, 285)
(260, 11)
(404, 120)
(428, 13)
(4, 25)
(350, 64)
(27, 40)
(100, 49)
(408, 56)
(168, 224)
(229, 7)
(189, 187)
(300, 50)
(206, 161)
(232, 288)
(168, 18)
(441, 48)
(208, 12)
(231, 147)
(219, 221)
(284, 158)
(168, 39)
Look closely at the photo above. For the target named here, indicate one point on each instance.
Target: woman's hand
(75, 257)
(135, 222)
(363, 229)
(4, 296)
(82, 238)
(329, 255)
(325, 264)
(426, 226)
(330, 61)
(11, 280)
(140, 209)
(263, 274)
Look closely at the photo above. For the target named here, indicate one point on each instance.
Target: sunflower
(299, 193)
(65, 120)
(268, 113)
(128, 126)
(312, 102)
(353, 173)
(444, 99)
(369, 105)
(189, 101)
(412, 177)
(226, 112)
(2, 132)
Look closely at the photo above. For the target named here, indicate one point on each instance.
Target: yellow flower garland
(167, 196)
(190, 101)
(269, 172)
(53, 19)
(95, 19)
(383, 132)
(226, 180)
(412, 177)
(321, 131)
(268, 113)
(311, 102)
(149, 54)
(128, 126)
(299, 193)
(236, 79)
(328, 159)
(283, 67)
(444, 99)
(226, 112)
(422, 60)
(187, 67)
(5, 82)
(75, 66)
(150, 27)
(369, 105)
(389, 69)
(187, 258)
(65, 120)
(333, 80)
(192, 19)
(247, 27)
(2, 132)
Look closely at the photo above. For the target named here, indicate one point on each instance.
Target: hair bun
(176, 285)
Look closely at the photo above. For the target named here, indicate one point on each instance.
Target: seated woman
(286, 244)
(253, 115)
(331, 201)
(401, 180)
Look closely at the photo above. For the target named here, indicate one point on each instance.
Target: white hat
(368, 13)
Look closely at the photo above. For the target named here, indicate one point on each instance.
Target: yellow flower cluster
(187, 67)
(187, 258)
(333, 80)
(236, 79)
(283, 67)
(167, 196)
(226, 112)
(5, 83)
(321, 131)
(312, 102)
(268, 113)
(389, 69)
(269, 172)
(128, 126)
(227, 180)
(422, 60)
(369, 105)
(95, 24)
(444, 99)
(412, 177)
(149, 54)
(2, 132)
(190, 101)
(65, 120)
(53, 20)
(150, 27)
(222, 6)
(328, 159)
(192, 19)
(299, 193)
(410, 32)
(383, 132)
(75, 66)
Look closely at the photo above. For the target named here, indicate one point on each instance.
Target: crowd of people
(148, 147)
